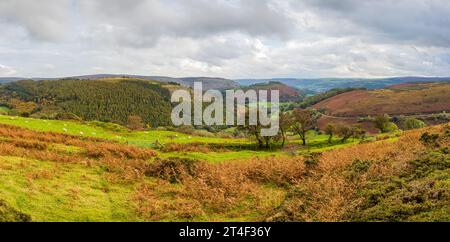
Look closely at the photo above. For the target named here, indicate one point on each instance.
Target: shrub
(391, 127)
(295, 206)
(381, 122)
(173, 169)
(429, 163)
(447, 130)
(135, 122)
(412, 123)
(357, 168)
(360, 165)
(428, 139)
(441, 116)
(398, 200)
(420, 192)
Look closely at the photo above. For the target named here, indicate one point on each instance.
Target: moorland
(104, 150)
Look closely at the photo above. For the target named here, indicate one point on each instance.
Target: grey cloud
(217, 50)
(229, 38)
(142, 22)
(422, 22)
(44, 19)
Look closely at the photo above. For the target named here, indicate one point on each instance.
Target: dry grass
(123, 163)
(327, 194)
(271, 188)
(215, 189)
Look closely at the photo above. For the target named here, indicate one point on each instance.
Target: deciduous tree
(303, 121)
(382, 122)
(286, 121)
(330, 130)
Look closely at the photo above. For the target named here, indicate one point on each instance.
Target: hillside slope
(111, 100)
(287, 93)
(404, 179)
(402, 99)
(58, 177)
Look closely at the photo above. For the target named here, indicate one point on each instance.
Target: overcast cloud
(226, 38)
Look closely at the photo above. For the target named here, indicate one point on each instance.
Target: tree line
(301, 121)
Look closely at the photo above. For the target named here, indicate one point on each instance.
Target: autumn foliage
(346, 184)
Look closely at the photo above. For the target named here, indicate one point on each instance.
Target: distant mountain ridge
(325, 84)
(315, 85)
(208, 82)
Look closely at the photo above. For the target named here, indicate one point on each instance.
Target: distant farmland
(395, 100)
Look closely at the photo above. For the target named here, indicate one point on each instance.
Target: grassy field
(90, 171)
(62, 192)
(60, 177)
(112, 132)
(316, 142)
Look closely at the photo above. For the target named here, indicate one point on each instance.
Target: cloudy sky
(226, 38)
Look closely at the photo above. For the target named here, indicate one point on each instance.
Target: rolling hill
(208, 82)
(108, 99)
(287, 93)
(417, 98)
(56, 176)
(324, 84)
